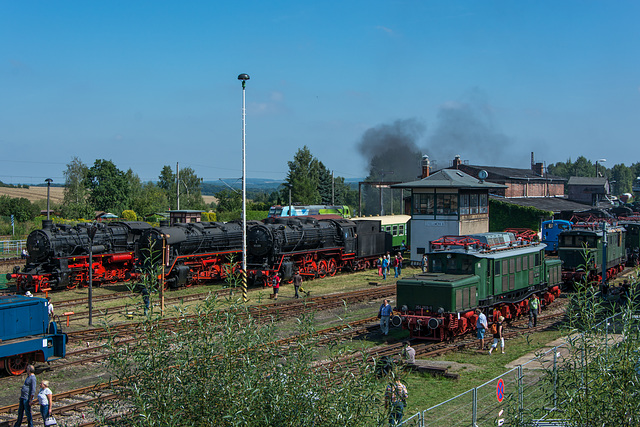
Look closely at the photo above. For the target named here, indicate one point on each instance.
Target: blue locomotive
(551, 230)
(26, 333)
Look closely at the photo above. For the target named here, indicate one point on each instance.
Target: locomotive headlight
(448, 256)
(440, 310)
(404, 308)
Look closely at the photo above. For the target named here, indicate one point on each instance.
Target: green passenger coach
(492, 271)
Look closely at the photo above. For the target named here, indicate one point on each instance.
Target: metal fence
(12, 248)
(524, 395)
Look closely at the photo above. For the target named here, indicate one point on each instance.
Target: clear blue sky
(152, 83)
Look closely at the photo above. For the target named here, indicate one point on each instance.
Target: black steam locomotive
(193, 252)
(200, 252)
(315, 247)
(59, 255)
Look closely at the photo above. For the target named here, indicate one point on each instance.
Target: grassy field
(34, 193)
(56, 195)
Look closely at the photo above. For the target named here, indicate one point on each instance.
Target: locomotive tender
(492, 271)
(26, 334)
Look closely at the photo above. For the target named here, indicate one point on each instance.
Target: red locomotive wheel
(333, 268)
(322, 268)
(16, 365)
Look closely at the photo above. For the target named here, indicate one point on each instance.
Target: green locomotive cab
(491, 271)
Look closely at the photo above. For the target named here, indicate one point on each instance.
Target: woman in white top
(45, 397)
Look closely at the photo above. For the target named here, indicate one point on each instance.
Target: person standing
(385, 315)
(399, 259)
(27, 393)
(385, 267)
(534, 306)
(50, 308)
(396, 266)
(297, 282)
(396, 396)
(388, 262)
(145, 299)
(498, 335)
(380, 266)
(409, 353)
(276, 285)
(45, 398)
(481, 326)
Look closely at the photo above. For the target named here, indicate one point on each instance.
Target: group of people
(385, 263)
(497, 329)
(297, 284)
(27, 396)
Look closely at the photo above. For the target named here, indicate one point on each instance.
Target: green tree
(621, 179)
(167, 182)
(190, 193)
(21, 208)
(303, 177)
(229, 201)
(75, 203)
(110, 189)
(219, 368)
(152, 199)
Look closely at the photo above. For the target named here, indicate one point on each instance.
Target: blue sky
(152, 83)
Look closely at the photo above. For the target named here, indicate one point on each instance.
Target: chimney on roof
(426, 166)
(457, 161)
(538, 168)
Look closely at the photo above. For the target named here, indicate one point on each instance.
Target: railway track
(73, 405)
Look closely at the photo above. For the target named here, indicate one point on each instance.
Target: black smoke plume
(392, 152)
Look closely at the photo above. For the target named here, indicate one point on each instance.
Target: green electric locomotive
(582, 250)
(492, 271)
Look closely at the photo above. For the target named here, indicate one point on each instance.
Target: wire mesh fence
(12, 248)
(529, 394)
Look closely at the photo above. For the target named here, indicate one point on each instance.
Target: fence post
(520, 393)
(474, 411)
(555, 377)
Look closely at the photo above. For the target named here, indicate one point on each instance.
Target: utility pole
(177, 186)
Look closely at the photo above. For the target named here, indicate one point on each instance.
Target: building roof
(587, 180)
(449, 178)
(553, 204)
(496, 172)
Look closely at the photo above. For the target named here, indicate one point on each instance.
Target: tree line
(620, 177)
(104, 187)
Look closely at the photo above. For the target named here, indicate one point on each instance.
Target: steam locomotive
(199, 252)
(314, 247)
(59, 255)
(492, 271)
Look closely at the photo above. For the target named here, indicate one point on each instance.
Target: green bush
(129, 215)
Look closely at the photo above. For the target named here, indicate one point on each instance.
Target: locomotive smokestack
(47, 224)
(426, 166)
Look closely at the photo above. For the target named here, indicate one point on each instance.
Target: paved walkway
(542, 358)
